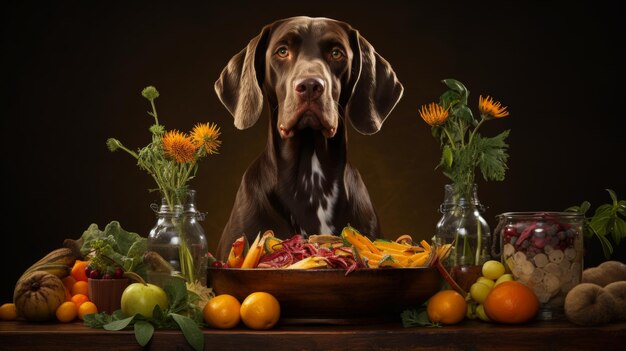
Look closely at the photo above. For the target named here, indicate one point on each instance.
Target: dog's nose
(309, 88)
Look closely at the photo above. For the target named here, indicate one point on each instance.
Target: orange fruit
(87, 308)
(8, 312)
(260, 310)
(78, 270)
(67, 312)
(511, 302)
(79, 299)
(446, 307)
(80, 287)
(68, 295)
(222, 312)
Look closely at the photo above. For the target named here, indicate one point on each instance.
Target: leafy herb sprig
(182, 314)
(417, 318)
(608, 219)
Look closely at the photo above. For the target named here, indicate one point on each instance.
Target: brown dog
(316, 73)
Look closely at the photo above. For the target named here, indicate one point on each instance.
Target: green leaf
(447, 156)
(458, 87)
(464, 113)
(584, 207)
(449, 99)
(619, 230)
(97, 320)
(492, 155)
(190, 330)
(119, 324)
(143, 332)
(176, 291)
(613, 197)
(601, 218)
(607, 248)
(416, 318)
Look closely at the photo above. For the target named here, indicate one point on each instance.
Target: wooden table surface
(469, 335)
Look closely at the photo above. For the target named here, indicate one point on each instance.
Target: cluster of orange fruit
(77, 302)
(259, 310)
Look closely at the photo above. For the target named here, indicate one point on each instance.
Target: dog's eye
(336, 54)
(282, 52)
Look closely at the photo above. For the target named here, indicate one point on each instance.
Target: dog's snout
(309, 88)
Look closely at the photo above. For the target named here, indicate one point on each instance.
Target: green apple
(141, 298)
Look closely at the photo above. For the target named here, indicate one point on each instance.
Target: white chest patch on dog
(325, 213)
(327, 200)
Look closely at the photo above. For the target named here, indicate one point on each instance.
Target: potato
(618, 290)
(606, 273)
(589, 304)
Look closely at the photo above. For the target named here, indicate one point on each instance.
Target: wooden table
(469, 335)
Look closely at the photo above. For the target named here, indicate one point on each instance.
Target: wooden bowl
(329, 295)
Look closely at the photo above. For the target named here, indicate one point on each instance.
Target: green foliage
(463, 149)
(182, 314)
(608, 219)
(116, 245)
(417, 318)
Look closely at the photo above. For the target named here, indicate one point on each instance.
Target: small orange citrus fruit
(222, 312)
(260, 310)
(78, 270)
(511, 302)
(87, 308)
(446, 307)
(8, 312)
(67, 312)
(79, 299)
(80, 287)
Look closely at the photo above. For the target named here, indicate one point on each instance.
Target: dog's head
(311, 69)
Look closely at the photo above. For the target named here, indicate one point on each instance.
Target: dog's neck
(310, 175)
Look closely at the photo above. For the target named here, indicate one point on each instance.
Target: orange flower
(179, 146)
(434, 114)
(491, 108)
(206, 134)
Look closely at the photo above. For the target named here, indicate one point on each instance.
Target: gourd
(37, 295)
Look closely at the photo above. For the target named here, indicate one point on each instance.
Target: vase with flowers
(463, 151)
(171, 159)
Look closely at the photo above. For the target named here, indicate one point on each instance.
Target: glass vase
(179, 239)
(462, 225)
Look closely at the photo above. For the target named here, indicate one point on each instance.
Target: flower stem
(154, 113)
(450, 137)
(479, 241)
(482, 119)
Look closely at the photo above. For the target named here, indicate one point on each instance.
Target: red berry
(107, 276)
(217, 264)
(119, 273)
(94, 274)
(88, 270)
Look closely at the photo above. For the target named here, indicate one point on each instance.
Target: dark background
(73, 73)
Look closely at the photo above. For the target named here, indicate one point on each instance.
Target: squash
(37, 296)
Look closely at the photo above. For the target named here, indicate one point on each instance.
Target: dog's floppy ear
(376, 90)
(239, 85)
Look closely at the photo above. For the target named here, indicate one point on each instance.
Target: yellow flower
(434, 114)
(206, 134)
(491, 108)
(179, 146)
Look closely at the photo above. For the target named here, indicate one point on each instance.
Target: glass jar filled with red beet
(544, 251)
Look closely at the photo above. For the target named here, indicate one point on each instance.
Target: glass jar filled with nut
(544, 251)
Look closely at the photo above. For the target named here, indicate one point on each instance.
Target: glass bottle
(462, 223)
(196, 243)
(544, 251)
(179, 239)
